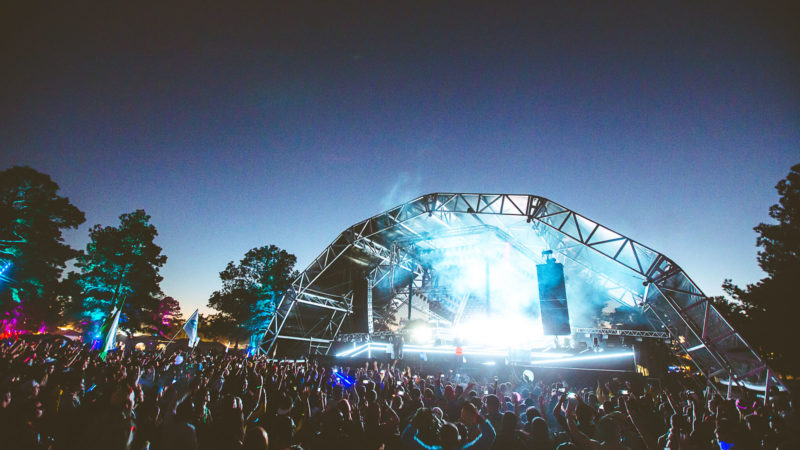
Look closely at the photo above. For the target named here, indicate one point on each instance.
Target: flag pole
(183, 328)
(173, 338)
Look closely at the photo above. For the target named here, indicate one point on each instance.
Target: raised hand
(572, 406)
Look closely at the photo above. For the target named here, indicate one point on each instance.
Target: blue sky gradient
(234, 128)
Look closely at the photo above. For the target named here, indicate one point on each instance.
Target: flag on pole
(190, 327)
(111, 335)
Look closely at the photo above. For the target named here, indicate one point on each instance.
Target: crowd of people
(63, 395)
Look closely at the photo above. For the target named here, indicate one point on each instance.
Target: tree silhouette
(250, 290)
(766, 312)
(121, 265)
(32, 248)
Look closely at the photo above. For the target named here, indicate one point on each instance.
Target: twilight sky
(236, 128)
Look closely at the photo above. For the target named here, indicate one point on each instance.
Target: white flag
(111, 335)
(190, 327)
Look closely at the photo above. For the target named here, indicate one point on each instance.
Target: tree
(251, 289)
(215, 326)
(32, 219)
(765, 312)
(121, 267)
(169, 319)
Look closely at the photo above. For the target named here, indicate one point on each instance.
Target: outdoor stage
(503, 279)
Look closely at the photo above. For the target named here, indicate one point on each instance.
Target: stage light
(514, 331)
(582, 358)
(362, 350)
(5, 267)
(422, 334)
(447, 349)
(489, 363)
(344, 379)
(349, 351)
(358, 350)
(696, 347)
(434, 349)
(550, 355)
(748, 385)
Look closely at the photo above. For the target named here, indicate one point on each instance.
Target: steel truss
(364, 337)
(670, 298)
(616, 332)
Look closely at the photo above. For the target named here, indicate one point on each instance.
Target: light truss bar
(616, 332)
(304, 339)
(323, 305)
(324, 296)
(582, 358)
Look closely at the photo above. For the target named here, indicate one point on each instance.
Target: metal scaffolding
(389, 251)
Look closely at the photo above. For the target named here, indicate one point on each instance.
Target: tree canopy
(250, 290)
(121, 265)
(32, 219)
(169, 317)
(765, 312)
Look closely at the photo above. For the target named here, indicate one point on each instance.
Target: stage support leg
(410, 294)
(488, 299)
(767, 386)
(370, 327)
(730, 385)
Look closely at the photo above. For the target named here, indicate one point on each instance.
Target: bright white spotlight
(510, 331)
(449, 349)
(550, 355)
(422, 334)
(360, 351)
(582, 358)
(351, 350)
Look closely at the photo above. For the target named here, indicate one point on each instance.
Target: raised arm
(258, 401)
(486, 439)
(578, 436)
(467, 390)
(649, 440)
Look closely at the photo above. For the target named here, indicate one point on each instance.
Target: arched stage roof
(402, 246)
